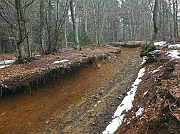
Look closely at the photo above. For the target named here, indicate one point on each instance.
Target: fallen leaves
(160, 100)
(51, 65)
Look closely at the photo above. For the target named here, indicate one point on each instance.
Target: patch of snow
(3, 66)
(6, 62)
(125, 105)
(139, 112)
(145, 93)
(174, 54)
(144, 60)
(37, 55)
(116, 122)
(61, 61)
(175, 46)
(161, 43)
(156, 51)
(133, 117)
(127, 102)
(154, 71)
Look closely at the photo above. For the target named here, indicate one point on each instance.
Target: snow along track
(93, 114)
(125, 105)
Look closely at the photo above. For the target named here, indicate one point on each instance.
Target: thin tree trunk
(176, 21)
(56, 29)
(155, 13)
(98, 24)
(75, 29)
(49, 26)
(174, 18)
(42, 25)
(86, 19)
(123, 32)
(95, 20)
(102, 28)
(60, 22)
(65, 31)
(163, 23)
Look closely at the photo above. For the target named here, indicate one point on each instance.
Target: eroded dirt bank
(83, 103)
(156, 106)
(94, 114)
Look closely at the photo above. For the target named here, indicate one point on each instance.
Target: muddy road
(81, 104)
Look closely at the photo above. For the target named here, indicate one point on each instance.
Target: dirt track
(83, 103)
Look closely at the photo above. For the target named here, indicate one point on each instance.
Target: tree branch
(27, 5)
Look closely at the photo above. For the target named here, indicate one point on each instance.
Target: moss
(147, 49)
(20, 61)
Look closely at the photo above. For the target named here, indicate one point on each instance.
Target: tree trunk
(59, 22)
(75, 29)
(85, 14)
(42, 25)
(175, 17)
(155, 13)
(176, 20)
(65, 31)
(49, 26)
(95, 20)
(56, 29)
(98, 24)
(163, 23)
(102, 27)
(21, 30)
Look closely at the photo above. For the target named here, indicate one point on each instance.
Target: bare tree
(155, 13)
(74, 21)
(42, 25)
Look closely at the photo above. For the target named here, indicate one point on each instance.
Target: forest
(48, 25)
(90, 66)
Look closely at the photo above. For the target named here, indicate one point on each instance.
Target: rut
(80, 104)
(93, 114)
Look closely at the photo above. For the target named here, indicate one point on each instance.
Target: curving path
(83, 103)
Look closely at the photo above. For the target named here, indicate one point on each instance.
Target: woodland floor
(82, 103)
(159, 96)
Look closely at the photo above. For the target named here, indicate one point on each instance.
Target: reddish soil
(76, 104)
(92, 115)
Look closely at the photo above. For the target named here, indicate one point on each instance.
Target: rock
(93, 124)
(2, 114)
(98, 66)
(47, 122)
(103, 75)
(120, 97)
(96, 105)
(101, 92)
(96, 96)
(98, 114)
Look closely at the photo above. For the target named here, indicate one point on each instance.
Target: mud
(80, 104)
